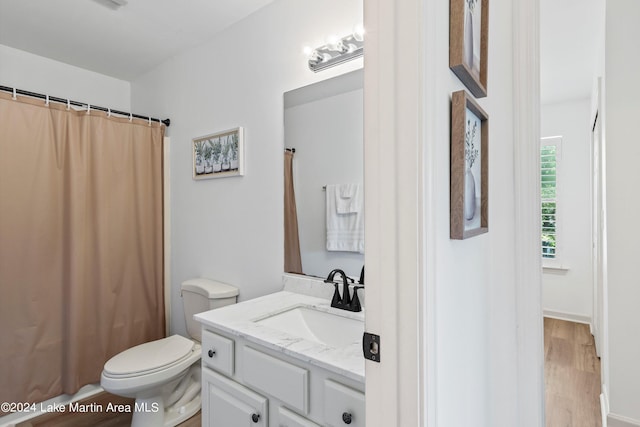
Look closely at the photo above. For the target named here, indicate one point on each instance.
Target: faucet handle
(354, 304)
(336, 301)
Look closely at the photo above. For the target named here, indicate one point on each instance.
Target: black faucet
(345, 302)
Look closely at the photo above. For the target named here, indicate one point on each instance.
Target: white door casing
(394, 198)
(528, 280)
(399, 187)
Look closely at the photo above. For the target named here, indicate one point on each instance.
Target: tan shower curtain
(81, 244)
(292, 261)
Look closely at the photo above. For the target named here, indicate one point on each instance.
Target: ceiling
(127, 42)
(570, 34)
(121, 42)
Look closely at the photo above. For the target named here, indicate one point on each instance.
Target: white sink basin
(318, 326)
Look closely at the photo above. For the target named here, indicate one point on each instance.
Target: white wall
(622, 109)
(476, 350)
(232, 229)
(24, 70)
(327, 134)
(570, 293)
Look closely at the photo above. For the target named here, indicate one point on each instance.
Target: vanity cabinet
(245, 384)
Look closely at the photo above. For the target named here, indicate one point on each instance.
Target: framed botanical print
(219, 155)
(469, 43)
(469, 208)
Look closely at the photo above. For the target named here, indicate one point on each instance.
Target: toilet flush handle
(212, 353)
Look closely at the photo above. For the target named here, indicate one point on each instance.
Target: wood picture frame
(469, 199)
(218, 155)
(469, 43)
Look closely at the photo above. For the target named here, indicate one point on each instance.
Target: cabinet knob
(211, 353)
(346, 417)
(255, 417)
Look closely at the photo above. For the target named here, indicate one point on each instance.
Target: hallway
(572, 375)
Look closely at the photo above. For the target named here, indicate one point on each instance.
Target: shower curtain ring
(88, 108)
(46, 101)
(14, 97)
(68, 104)
(130, 117)
(149, 120)
(108, 112)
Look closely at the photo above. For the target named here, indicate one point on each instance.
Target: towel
(348, 198)
(345, 231)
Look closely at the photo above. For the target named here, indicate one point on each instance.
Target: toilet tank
(200, 295)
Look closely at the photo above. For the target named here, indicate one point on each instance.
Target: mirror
(324, 123)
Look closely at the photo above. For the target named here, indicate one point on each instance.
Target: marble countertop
(239, 320)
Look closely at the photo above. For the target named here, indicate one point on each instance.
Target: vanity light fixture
(337, 50)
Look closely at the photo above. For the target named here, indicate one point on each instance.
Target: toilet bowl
(164, 375)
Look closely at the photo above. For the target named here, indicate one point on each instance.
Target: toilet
(164, 375)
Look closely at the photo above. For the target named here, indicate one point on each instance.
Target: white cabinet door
(226, 403)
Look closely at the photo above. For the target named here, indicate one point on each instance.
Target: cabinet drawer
(217, 352)
(342, 404)
(277, 378)
(286, 418)
(226, 403)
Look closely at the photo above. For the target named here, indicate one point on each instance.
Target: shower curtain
(81, 244)
(292, 261)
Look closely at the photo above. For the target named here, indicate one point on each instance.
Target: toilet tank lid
(208, 288)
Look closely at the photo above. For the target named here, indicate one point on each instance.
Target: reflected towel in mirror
(345, 230)
(348, 198)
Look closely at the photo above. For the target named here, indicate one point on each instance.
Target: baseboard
(571, 317)
(614, 420)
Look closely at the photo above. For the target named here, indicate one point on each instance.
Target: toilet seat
(149, 357)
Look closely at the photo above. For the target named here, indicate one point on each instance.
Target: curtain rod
(166, 122)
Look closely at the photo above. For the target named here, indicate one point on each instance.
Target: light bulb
(307, 51)
(335, 43)
(332, 42)
(358, 32)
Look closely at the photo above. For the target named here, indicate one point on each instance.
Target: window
(549, 161)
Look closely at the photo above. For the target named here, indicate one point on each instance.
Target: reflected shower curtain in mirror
(292, 261)
(81, 244)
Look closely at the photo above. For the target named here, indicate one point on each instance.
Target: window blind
(548, 193)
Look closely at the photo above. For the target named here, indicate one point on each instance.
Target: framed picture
(219, 155)
(469, 215)
(469, 42)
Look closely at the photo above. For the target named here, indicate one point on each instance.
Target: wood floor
(96, 418)
(572, 375)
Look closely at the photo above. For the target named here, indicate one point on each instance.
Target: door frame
(596, 231)
(600, 288)
(395, 235)
(528, 280)
(400, 180)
